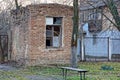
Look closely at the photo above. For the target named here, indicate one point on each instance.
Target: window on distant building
(94, 19)
(53, 32)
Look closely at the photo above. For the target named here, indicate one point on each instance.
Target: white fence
(101, 48)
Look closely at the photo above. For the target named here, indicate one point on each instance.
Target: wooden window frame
(53, 36)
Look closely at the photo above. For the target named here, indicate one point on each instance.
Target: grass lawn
(97, 71)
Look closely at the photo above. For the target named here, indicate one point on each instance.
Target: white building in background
(99, 37)
(103, 44)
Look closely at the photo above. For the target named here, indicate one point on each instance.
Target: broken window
(94, 19)
(53, 31)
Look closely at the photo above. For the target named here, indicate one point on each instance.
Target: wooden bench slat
(75, 69)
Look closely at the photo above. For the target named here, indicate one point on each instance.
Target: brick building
(41, 34)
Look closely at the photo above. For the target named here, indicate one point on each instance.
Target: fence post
(82, 49)
(109, 49)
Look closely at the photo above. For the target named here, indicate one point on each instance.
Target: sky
(8, 3)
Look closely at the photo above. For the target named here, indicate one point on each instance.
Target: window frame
(60, 33)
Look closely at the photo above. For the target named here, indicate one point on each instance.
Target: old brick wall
(37, 34)
(19, 36)
(28, 26)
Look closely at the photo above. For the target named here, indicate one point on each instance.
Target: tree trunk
(74, 35)
(16, 3)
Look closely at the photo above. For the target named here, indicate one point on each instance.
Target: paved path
(27, 77)
(34, 77)
(6, 68)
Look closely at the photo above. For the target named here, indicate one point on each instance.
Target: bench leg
(64, 73)
(80, 75)
(84, 75)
